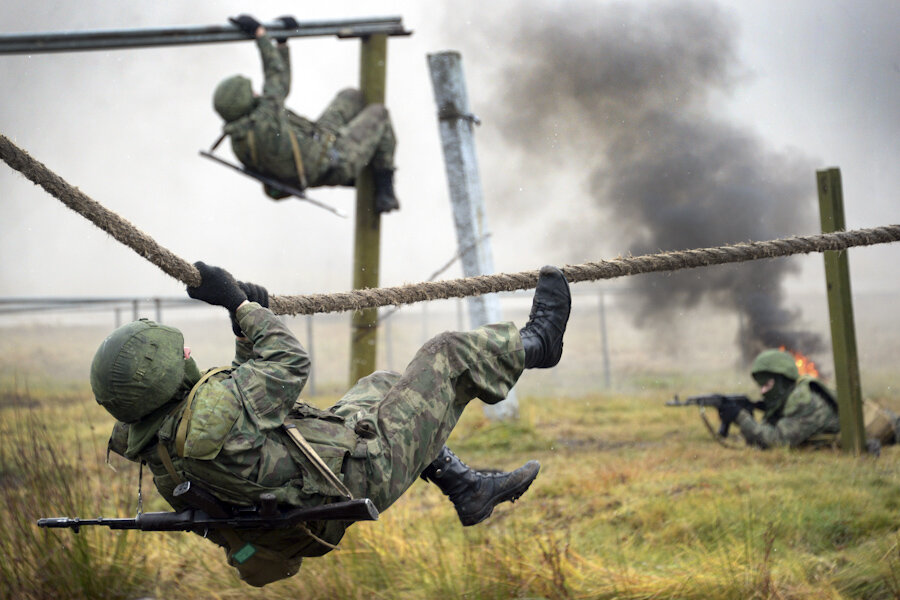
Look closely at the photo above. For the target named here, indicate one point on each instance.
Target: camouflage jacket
(234, 445)
(261, 140)
(809, 411)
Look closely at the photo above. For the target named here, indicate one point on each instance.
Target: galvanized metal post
(311, 380)
(840, 308)
(461, 164)
(367, 243)
(603, 339)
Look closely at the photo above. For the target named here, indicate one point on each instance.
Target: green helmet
(137, 369)
(775, 361)
(233, 98)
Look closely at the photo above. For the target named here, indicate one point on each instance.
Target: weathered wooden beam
(367, 242)
(840, 308)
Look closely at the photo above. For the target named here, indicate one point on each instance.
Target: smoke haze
(628, 94)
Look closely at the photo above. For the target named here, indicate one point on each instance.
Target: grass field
(634, 500)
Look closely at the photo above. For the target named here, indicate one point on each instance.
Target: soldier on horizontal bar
(270, 139)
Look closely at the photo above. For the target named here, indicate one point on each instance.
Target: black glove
(289, 22)
(255, 293)
(248, 24)
(728, 412)
(217, 287)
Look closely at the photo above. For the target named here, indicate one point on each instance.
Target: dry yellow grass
(634, 499)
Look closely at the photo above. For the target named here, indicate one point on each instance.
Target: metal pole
(840, 309)
(461, 164)
(113, 39)
(158, 305)
(311, 381)
(603, 340)
(134, 310)
(389, 343)
(118, 317)
(367, 243)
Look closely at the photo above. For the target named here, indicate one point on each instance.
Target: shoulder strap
(184, 425)
(298, 160)
(251, 141)
(823, 392)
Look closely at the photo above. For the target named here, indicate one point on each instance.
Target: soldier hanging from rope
(271, 140)
(242, 433)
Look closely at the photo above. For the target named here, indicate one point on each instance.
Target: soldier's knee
(440, 342)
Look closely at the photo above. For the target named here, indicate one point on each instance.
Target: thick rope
(592, 271)
(178, 268)
(97, 214)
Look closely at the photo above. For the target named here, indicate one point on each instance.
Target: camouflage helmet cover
(775, 361)
(137, 369)
(233, 98)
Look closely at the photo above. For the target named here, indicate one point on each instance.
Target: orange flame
(804, 365)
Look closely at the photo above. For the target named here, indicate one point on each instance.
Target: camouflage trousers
(382, 434)
(408, 417)
(363, 134)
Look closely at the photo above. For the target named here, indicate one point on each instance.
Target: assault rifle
(209, 513)
(716, 401)
(273, 183)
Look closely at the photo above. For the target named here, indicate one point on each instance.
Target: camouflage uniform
(334, 149)
(808, 412)
(378, 438)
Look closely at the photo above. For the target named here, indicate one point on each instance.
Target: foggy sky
(807, 86)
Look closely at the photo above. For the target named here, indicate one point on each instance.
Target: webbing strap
(316, 460)
(167, 463)
(298, 160)
(251, 141)
(184, 425)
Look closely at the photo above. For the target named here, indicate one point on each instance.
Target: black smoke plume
(628, 94)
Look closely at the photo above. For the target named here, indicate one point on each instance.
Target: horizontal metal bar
(110, 39)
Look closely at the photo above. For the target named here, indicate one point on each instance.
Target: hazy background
(608, 128)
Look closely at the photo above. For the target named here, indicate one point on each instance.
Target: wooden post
(840, 308)
(367, 243)
(456, 126)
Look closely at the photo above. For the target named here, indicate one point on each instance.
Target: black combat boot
(542, 335)
(385, 201)
(475, 493)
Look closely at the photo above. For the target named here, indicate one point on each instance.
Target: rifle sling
(311, 455)
(295, 151)
(298, 160)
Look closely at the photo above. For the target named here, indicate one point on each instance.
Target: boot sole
(510, 495)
